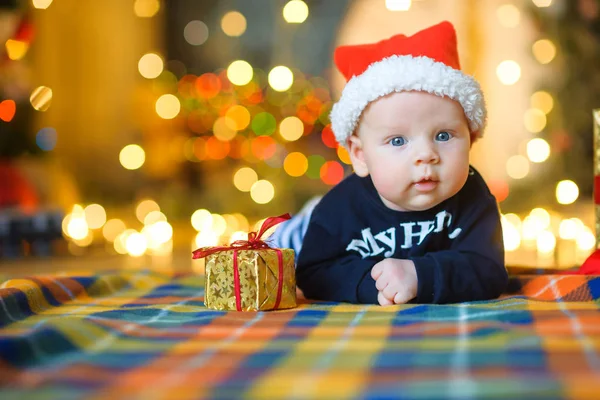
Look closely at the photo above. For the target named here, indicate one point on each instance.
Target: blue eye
(443, 136)
(398, 141)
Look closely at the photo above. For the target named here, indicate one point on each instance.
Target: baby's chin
(410, 205)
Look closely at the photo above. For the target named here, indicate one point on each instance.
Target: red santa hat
(427, 61)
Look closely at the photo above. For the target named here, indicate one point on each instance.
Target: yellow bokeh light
(150, 65)
(16, 49)
(546, 242)
(77, 228)
(291, 128)
(41, 98)
(153, 217)
(222, 129)
(508, 15)
(243, 223)
(295, 164)
(121, 241)
(136, 244)
(517, 167)
(41, 4)
(95, 216)
(295, 12)
(343, 155)
(158, 233)
(511, 236)
(239, 116)
(538, 150)
(86, 241)
(542, 101)
(567, 192)
(568, 229)
(146, 8)
(168, 106)
(240, 72)
(534, 120)
(144, 208)
(238, 235)
(513, 219)
(132, 157)
(281, 78)
(585, 239)
(542, 3)
(206, 238)
(233, 23)
(544, 51)
(219, 225)
(201, 220)
(508, 72)
(262, 192)
(244, 178)
(398, 5)
(112, 229)
(542, 217)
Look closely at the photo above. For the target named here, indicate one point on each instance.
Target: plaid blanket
(146, 335)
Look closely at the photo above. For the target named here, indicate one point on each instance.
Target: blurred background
(134, 131)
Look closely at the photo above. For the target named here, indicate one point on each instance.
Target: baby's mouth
(426, 184)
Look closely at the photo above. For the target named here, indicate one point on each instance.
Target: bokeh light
(295, 164)
(132, 157)
(398, 5)
(544, 51)
(542, 3)
(508, 15)
(568, 229)
(113, 228)
(40, 98)
(332, 173)
(295, 12)
(239, 116)
(262, 192)
(508, 72)
(201, 220)
(244, 178)
(222, 129)
(144, 208)
(153, 217)
(343, 155)
(41, 4)
(517, 167)
(208, 85)
(542, 100)
(281, 78)
(546, 242)
(291, 128)
(315, 162)
(168, 106)
(538, 150)
(46, 139)
(95, 216)
(146, 8)
(150, 65)
(567, 192)
(136, 244)
(534, 120)
(264, 123)
(240, 72)
(16, 49)
(195, 33)
(233, 23)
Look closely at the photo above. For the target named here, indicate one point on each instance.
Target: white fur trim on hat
(406, 73)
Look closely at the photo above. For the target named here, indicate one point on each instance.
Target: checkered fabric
(146, 335)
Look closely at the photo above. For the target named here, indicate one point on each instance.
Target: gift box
(249, 275)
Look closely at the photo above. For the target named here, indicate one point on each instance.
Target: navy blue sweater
(456, 246)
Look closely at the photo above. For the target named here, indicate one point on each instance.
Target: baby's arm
(473, 268)
(325, 271)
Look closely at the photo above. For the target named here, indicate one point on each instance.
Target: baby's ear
(357, 156)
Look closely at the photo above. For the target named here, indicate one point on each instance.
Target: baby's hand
(396, 281)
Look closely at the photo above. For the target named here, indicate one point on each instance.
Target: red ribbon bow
(254, 242)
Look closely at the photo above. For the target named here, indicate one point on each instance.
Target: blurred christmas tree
(571, 31)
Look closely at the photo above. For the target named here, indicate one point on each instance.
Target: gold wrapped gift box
(258, 277)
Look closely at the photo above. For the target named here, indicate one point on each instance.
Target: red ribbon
(597, 190)
(254, 242)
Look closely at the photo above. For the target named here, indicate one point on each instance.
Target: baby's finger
(376, 271)
(389, 292)
(401, 298)
(381, 284)
(383, 301)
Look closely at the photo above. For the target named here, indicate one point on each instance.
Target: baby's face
(415, 146)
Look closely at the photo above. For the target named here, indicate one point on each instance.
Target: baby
(414, 222)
